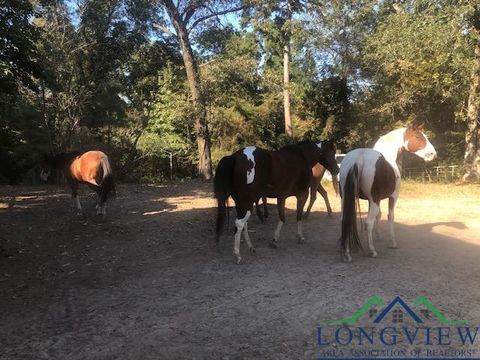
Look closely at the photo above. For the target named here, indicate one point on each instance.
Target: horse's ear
(417, 126)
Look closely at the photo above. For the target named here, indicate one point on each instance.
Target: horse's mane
(297, 145)
(61, 159)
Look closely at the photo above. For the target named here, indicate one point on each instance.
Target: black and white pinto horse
(252, 173)
(373, 175)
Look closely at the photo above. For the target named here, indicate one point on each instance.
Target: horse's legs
(100, 203)
(301, 200)
(281, 215)
(373, 209)
(103, 205)
(313, 197)
(391, 216)
(265, 207)
(247, 238)
(75, 199)
(323, 192)
(377, 220)
(346, 256)
(262, 216)
(242, 218)
(259, 211)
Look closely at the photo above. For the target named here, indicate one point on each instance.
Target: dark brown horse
(318, 171)
(253, 173)
(91, 167)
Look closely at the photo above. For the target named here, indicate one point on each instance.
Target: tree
(472, 135)
(276, 23)
(20, 70)
(166, 135)
(231, 82)
(417, 60)
(286, 69)
(184, 17)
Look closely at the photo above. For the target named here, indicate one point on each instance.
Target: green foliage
(419, 60)
(94, 74)
(169, 124)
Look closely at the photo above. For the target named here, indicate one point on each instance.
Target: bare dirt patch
(147, 283)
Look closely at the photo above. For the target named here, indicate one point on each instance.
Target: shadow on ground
(147, 283)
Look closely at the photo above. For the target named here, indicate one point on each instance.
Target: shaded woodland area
(167, 88)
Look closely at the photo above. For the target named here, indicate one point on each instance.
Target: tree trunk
(472, 136)
(286, 74)
(200, 113)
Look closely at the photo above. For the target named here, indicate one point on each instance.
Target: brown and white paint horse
(373, 175)
(253, 173)
(91, 167)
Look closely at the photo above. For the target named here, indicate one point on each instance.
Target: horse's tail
(349, 192)
(223, 188)
(107, 185)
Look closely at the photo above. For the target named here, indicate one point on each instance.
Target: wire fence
(443, 173)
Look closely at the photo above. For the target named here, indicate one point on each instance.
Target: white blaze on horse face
(319, 145)
(428, 153)
(248, 152)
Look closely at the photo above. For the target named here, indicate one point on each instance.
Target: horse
(252, 173)
(318, 170)
(374, 175)
(316, 185)
(91, 167)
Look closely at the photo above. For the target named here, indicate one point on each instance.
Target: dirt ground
(147, 283)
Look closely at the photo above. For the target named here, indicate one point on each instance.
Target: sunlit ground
(149, 277)
(420, 203)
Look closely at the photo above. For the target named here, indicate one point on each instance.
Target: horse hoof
(301, 240)
(329, 214)
(395, 246)
(252, 250)
(373, 254)
(273, 245)
(238, 260)
(347, 258)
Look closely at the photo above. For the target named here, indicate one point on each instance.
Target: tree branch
(164, 29)
(215, 14)
(190, 10)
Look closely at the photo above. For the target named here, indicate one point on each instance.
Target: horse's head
(417, 143)
(327, 156)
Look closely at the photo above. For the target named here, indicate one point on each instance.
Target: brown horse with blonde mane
(92, 168)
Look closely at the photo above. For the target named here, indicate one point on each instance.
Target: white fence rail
(433, 173)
